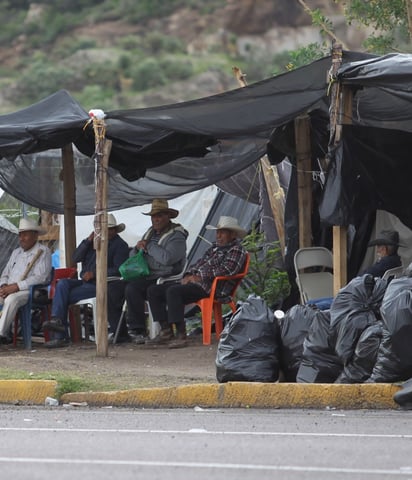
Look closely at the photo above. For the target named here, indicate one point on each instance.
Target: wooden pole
(277, 199)
(409, 12)
(304, 179)
(102, 154)
(276, 194)
(340, 232)
(69, 193)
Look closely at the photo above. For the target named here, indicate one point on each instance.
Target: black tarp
(170, 150)
(162, 151)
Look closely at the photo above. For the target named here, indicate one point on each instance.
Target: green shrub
(265, 278)
(147, 74)
(156, 42)
(95, 96)
(42, 79)
(177, 68)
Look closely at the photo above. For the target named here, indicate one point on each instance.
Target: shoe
(57, 343)
(5, 340)
(163, 338)
(54, 325)
(137, 338)
(179, 342)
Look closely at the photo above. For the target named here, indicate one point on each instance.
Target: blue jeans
(69, 291)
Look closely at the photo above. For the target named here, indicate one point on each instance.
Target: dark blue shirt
(385, 263)
(117, 253)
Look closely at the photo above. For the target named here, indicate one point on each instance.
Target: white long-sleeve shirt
(18, 262)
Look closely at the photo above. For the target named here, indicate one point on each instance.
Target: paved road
(107, 443)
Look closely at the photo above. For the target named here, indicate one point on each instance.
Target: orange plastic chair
(210, 305)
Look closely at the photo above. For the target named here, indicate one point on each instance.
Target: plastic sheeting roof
(174, 149)
(156, 152)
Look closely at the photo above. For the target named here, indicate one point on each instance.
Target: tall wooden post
(304, 179)
(336, 116)
(69, 193)
(102, 154)
(275, 192)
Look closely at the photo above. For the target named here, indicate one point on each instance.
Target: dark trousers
(135, 293)
(167, 302)
(69, 291)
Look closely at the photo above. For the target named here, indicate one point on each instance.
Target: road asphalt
(219, 395)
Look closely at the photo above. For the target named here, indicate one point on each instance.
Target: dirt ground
(126, 366)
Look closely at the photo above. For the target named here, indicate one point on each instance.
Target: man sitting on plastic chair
(164, 248)
(29, 264)
(167, 302)
(71, 290)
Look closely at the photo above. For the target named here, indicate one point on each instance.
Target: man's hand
(87, 276)
(141, 245)
(6, 290)
(191, 279)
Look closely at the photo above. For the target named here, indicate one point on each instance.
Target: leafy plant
(265, 278)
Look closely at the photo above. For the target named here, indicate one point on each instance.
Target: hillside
(111, 58)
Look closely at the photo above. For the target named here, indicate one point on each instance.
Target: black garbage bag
(354, 308)
(248, 348)
(396, 311)
(388, 367)
(319, 363)
(294, 327)
(361, 365)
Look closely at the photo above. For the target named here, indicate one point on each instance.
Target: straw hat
(111, 223)
(228, 223)
(27, 225)
(159, 205)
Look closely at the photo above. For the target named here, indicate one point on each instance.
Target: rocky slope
(252, 30)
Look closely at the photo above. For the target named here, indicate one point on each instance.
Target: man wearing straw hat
(164, 247)
(29, 264)
(167, 302)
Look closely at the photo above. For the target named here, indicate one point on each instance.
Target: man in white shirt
(29, 264)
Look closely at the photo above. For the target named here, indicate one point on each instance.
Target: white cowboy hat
(228, 223)
(111, 223)
(27, 225)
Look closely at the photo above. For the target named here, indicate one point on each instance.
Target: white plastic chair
(86, 301)
(392, 273)
(314, 273)
(153, 327)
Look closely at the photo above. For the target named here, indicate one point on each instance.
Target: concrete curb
(33, 392)
(247, 395)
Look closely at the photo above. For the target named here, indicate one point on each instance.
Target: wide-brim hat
(111, 223)
(27, 225)
(159, 205)
(386, 237)
(228, 223)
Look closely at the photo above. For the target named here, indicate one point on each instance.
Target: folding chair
(314, 274)
(213, 306)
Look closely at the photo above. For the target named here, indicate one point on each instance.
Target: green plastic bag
(134, 267)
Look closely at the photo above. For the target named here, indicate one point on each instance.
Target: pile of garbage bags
(365, 337)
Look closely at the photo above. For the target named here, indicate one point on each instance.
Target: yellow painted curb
(31, 392)
(245, 394)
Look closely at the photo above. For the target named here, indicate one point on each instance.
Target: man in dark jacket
(387, 257)
(164, 246)
(69, 291)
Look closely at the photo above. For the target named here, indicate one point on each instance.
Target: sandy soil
(126, 366)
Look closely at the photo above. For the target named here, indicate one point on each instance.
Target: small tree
(265, 278)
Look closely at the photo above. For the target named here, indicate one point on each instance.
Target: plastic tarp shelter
(163, 151)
